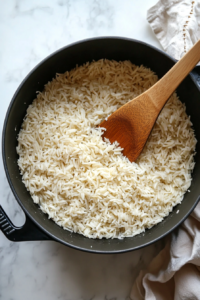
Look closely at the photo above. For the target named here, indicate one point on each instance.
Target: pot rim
(4, 154)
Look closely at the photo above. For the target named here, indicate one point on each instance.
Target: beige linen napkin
(175, 272)
(176, 25)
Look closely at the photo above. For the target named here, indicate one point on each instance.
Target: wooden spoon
(131, 124)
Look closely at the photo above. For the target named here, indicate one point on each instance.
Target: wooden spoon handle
(163, 89)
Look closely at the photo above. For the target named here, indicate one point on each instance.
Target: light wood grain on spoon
(132, 123)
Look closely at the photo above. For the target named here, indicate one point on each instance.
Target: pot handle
(196, 75)
(28, 232)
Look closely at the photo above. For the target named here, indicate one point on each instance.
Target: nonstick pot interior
(65, 59)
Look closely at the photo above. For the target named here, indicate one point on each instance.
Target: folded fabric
(176, 25)
(175, 272)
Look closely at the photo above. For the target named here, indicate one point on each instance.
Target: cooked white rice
(85, 184)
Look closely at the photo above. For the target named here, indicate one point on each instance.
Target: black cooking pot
(37, 225)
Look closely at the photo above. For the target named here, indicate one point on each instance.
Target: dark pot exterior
(37, 225)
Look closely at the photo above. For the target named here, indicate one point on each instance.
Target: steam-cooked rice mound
(85, 184)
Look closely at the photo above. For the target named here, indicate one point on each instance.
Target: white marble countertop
(30, 30)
